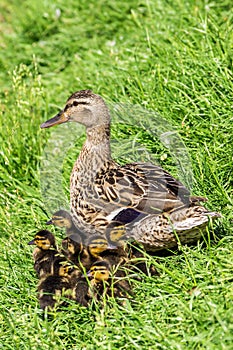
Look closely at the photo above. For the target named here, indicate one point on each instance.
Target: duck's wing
(161, 184)
(146, 188)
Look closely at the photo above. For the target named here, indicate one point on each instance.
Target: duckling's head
(65, 270)
(70, 246)
(62, 268)
(83, 107)
(115, 233)
(44, 240)
(100, 271)
(97, 244)
(61, 218)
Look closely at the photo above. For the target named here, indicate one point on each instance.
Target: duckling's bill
(111, 247)
(60, 118)
(31, 242)
(88, 274)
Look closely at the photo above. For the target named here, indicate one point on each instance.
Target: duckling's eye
(75, 103)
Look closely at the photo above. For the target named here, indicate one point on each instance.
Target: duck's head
(83, 107)
(97, 244)
(100, 271)
(44, 240)
(61, 218)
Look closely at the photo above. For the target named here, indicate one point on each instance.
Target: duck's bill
(31, 242)
(58, 119)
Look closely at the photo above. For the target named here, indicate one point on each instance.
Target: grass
(170, 57)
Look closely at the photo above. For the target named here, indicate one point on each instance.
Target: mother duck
(156, 209)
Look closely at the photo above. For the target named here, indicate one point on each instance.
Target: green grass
(171, 57)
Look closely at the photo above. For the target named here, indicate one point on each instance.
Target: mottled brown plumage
(139, 195)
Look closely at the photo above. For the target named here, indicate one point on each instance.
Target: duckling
(62, 218)
(53, 286)
(129, 254)
(45, 253)
(116, 236)
(103, 283)
(96, 246)
(98, 274)
(99, 248)
(81, 291)
(71, 249)
(76, 253)
(72, 245)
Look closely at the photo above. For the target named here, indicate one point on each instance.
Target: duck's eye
(75, 103)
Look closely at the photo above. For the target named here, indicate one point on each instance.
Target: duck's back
(146, 188)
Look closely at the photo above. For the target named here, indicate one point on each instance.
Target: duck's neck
(96, 150)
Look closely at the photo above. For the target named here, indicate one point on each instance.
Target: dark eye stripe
(76, 103)
(99, 269)
(98, 241)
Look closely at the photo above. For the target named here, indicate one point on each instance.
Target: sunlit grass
(173, 58)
